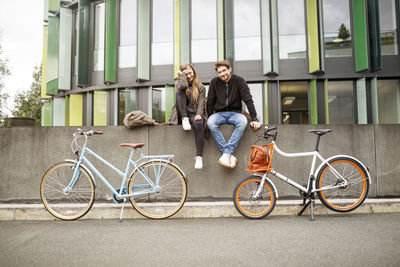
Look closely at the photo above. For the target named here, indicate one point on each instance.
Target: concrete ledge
(190, 210)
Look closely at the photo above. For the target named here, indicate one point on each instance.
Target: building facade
(306, 61)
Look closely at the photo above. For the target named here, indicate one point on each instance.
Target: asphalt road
(342, 240)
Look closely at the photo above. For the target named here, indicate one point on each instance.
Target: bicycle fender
(85, 168)
(353, 158)
(162, 160)
(273, 185)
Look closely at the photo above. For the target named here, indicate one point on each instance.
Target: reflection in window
(388, 26)
(256, 92)
(163, 32)
(158, 104)
(247, 29)
(294, 102)
(341, 102)
(127, 37)
(337, 34)
(127, 103)
(389, 101)
(99, 27)
(291, 24)
(204, 30)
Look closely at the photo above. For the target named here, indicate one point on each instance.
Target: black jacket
(228, 96)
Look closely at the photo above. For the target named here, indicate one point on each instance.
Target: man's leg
(213, 123)
(240, 123)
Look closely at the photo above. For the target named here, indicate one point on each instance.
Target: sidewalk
(191, 210)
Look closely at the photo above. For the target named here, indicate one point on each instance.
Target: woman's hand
(197, 118)
(179, 73)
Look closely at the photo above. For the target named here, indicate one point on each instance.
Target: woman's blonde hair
(196, 84)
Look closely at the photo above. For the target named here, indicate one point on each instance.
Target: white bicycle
(341, 182)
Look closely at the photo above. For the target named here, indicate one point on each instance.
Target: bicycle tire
(347, 198)
(254, 208)
(71, 205)
(171, 197)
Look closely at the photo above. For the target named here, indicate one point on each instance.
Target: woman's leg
(198, 134)
(181, 103)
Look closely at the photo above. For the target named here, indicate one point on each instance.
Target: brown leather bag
(260, 157)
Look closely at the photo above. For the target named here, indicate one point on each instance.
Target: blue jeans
(227, 117)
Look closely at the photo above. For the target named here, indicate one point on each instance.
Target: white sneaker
(225, 160)
(199, 163)
(186, 124)
(234, 161)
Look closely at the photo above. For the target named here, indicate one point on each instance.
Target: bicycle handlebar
(87, 133)
(268, 135)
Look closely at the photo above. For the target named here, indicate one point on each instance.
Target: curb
(191, 210)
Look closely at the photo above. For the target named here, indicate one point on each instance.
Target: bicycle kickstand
(310, 202)
(122, 210)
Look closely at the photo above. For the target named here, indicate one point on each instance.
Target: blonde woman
(189, 109)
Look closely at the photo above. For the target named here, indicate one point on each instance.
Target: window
(247, 30)
(292, 31)
(127, 38)
(158, 108)
(204, 30)
(127, 103)
(389, 101)
(387, 15)
(256, 92)
(294, 102)
(163, 32)
(99, 28)
(337, 32)
(341, 102)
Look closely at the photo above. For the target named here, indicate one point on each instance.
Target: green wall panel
(144, 40)
(360, 35)
(169, 100)
(326, 101)
(75, 110)
(110, 57)
(313, 37)
(52, 56)
(313, 102)
(229, 32)
(47, 114)
(269, 36)
(220, 30)
(362, 101)
(84, 44)
(44, 63)
(54, 5)
(177, 36)
(266, 106)
(374, 101)
(59, 112)
(374, 35)
(65, 55)
(185, 30)
(100, 99)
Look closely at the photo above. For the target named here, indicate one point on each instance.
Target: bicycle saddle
(320, 132)
(137, 145)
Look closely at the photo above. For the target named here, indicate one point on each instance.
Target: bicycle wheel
(69, 205)
(170, 194)
(348, 197)
(254, 207)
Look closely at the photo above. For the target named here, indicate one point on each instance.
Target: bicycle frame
(310, 185)
(153, 186)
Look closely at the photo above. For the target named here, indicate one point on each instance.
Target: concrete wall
(27, 152)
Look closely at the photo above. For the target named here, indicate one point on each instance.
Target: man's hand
(197, 118)
(255, 125)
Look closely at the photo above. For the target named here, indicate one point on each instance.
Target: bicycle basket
(260, 158)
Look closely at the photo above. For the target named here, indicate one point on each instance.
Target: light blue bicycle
(157, 188)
